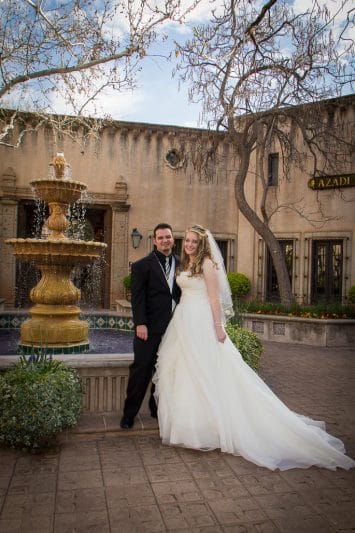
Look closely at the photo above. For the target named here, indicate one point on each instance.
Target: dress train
(209, 398)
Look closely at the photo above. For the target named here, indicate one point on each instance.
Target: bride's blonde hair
(203, 251)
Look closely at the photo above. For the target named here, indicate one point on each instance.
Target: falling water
(59, 244)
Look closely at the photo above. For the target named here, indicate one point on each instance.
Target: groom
(154, 294)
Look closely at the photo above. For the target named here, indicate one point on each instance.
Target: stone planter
(124, 307)
(297, 330)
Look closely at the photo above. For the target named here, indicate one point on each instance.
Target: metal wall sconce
(136, 237)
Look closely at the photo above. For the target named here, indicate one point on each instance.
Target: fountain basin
(55, 252)
(53, 326)
(54, 318)
(102, 341)
(51, 190)
(54, 322)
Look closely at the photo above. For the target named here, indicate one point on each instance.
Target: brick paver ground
(101, 479)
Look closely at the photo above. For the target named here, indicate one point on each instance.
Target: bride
(208, 397)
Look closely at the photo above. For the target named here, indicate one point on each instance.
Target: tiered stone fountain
(55, 325)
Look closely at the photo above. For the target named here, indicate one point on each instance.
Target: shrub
(39, 398)
(239, 283)
(335, 310)
(248, 344)
(127, 281)
(352, 294)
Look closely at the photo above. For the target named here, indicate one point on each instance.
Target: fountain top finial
(59, 163)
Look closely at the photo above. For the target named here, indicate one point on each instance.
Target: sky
(158, 98)
(161, 99)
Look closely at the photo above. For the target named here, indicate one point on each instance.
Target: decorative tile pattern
(16, 322)
(4, 323)
(26, 349)
(111, 322)
(278, 328)
(90, 321)
(258, 326)
(12, 320)
(100, 322)
(95, 321)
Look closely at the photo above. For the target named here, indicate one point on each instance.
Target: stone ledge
(299, 330)
(108, 423)
(105, 379)
(81, 360)
(124, 307)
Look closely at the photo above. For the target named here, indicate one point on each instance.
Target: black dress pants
(140, 374)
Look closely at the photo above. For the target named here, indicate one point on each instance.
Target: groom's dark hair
(162, 225)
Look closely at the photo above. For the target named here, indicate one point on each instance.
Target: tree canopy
(259, 69)
(253, 57)
(72, 50)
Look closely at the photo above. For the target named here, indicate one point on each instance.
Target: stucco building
(141, 174)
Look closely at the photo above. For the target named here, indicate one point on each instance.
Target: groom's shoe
(126, 422)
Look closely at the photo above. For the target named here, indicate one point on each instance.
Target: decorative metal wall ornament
(175, 159)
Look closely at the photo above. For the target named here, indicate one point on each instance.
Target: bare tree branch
(74, 50)
(259, 72)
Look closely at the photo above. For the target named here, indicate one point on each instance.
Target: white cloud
(121, 104)
(119, 25)
(118, 104)
(157, 98)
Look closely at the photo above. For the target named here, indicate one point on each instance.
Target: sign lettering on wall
(332, 182)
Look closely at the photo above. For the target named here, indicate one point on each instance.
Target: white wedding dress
(209, 398)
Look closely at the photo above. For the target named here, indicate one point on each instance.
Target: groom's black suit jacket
(150, 294)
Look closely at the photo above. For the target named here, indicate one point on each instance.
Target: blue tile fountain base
(104, 341)
(29, 349)
(108, 334)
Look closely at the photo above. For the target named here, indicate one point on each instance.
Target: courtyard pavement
(98, 478)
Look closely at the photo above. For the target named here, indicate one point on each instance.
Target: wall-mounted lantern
(136, 237)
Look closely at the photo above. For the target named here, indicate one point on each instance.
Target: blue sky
(157, 97)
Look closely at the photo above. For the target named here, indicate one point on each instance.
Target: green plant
(352, 294)
(40, 397)
(239, 283)
(248, 344)
(239, 310)
(127, 281)
(321, 311)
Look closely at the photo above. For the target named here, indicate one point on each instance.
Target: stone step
(108, 424)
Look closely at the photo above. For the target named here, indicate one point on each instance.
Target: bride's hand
(220, 332)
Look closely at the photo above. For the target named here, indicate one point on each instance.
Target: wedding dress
(209, 398)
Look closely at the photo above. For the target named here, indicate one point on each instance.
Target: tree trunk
(264, 231)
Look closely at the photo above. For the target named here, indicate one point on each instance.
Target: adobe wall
(126, 168)
(145, 173)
